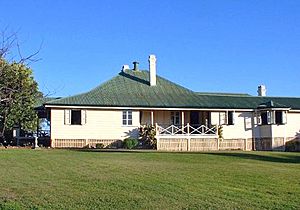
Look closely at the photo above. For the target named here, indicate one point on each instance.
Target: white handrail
(186, 130)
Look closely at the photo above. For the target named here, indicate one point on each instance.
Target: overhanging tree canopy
(18, 94)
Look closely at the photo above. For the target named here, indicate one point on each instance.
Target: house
(185, 120)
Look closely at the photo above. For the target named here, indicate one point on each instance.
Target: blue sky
(210, 46)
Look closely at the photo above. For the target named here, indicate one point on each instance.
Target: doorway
(194, 118)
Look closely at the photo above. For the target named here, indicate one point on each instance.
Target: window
(175, 119)
(75, 117)
(273, 117)
(127, 117)
(280, 117)
(226, 118)
(264, 118)
(230, 116)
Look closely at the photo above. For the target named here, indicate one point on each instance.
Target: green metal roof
(222, 94)
(271, 104)
(41, 101)
(131, 89)
(247, 102)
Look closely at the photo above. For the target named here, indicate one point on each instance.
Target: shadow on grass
(260, 157)
(275, 157)
(115, 150)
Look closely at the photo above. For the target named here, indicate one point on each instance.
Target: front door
(194, 118)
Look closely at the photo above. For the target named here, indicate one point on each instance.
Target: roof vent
(135, 66)
(262, 90)
(152, 70)
(125, 67)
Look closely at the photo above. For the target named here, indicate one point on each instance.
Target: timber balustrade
(186, 130)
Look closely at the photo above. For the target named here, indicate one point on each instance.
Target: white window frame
(127, 118)
(271, 117)
(224, 117)
(175, 117)
(68, 117)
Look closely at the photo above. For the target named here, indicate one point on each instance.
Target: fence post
(188, 144)
(52, 143)
(188, 128)
(218, 144)
(245, 144)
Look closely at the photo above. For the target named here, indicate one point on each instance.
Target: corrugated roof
(41, 101)
(131, 89)
(222, 94)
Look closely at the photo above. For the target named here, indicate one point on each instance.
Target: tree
(18, 90)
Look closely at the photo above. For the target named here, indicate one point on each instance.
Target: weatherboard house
(185, 120)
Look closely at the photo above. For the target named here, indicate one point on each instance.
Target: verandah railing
(167, 130)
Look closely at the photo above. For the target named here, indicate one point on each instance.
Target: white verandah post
(152, 118)
(182, 121)
(157, 138)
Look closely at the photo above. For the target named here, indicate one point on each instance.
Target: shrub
(147, 134)
(292, 146)
(99, 146)
(130, 143)
(86, 146)
(220, 132)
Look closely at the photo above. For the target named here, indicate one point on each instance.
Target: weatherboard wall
(100, 124)
(242, 127)
(293, 124)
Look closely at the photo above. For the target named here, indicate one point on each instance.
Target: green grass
(69, 179)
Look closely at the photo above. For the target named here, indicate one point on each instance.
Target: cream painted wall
(293, 124)
(242, 127)
(215, 118)
(287, 130)
(100, 124)
(107, 124)
(265, 131)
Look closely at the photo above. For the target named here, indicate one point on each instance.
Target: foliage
(130, 143)
(220, 132)
(99, 146)
(147, 134)
(18, 96)
(292, 146)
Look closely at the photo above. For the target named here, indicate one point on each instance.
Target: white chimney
(125, 67)
(262, 90)
(152, 69)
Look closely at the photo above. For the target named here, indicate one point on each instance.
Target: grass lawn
(70, 179)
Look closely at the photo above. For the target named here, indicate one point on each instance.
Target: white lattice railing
(186, 130)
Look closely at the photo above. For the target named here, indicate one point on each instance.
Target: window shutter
(284, 117)
(233, 118)
(83, 117)
(273, 115)
(258, 118)
(223, 118)
(269, 115)
(67, 117)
